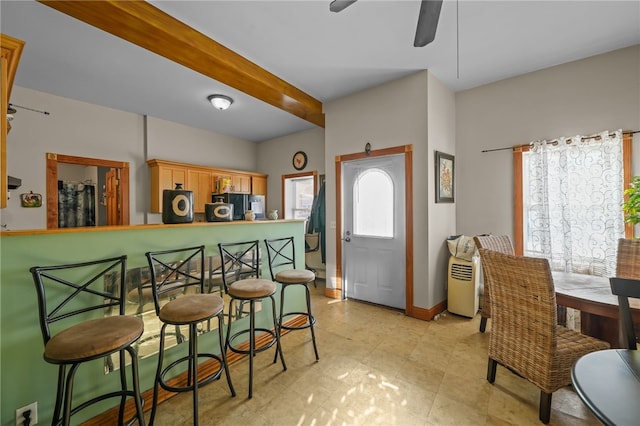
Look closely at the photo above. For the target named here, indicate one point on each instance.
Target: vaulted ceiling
(290, 56)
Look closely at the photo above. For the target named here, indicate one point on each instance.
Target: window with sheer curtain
(569, 193)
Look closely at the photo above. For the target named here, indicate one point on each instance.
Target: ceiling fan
(427, 19)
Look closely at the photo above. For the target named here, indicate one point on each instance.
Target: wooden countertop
(137, 227)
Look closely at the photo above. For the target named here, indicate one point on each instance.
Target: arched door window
(373, 204)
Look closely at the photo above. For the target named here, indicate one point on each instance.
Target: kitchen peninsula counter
(142, 226)
(21, 343)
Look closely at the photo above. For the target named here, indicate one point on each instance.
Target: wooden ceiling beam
(145, 25)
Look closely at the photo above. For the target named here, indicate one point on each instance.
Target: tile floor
(377, 367)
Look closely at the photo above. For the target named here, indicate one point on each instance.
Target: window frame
(357, 226)
(284, 178)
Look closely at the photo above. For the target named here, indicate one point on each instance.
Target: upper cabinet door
(258, 185)
(200, 183)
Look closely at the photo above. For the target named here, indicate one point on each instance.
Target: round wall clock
(299, 160)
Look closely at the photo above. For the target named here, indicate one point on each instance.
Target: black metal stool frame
(242, 261)
(281, 253)
(171, 275)
(44, 276)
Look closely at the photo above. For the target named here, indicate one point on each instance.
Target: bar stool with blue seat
(182, 271)
(82, 318)
(241, 277)
(282, 254)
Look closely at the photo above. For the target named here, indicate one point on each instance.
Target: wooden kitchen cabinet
(241, 183)
(165, 175)
(259, 185)
(236, 183)
(201, 183)
(202, 180)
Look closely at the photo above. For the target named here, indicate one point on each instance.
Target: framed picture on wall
(445, 174)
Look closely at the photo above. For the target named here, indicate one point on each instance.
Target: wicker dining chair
(525, 336)
(499, 243)
(628, 259)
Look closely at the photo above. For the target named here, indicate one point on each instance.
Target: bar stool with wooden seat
(282, 254)
(80, 294)
(183, 271)
(242, 282)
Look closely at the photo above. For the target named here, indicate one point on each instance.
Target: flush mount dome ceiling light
(220, 102)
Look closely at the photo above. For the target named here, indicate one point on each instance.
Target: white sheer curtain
(573, 191)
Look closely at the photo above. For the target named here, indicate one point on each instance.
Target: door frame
(52, 162)
(407, 150)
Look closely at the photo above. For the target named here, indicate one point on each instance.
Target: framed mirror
(114, 193)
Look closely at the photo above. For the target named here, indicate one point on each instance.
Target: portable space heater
(464, 283)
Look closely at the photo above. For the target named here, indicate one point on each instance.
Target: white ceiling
(325, 54)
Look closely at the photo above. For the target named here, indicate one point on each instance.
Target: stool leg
(277, 332)
(123, 386)
(156, 382)
(136, 385)
(193, 366)
(252, 343)
(311, 321)
(227, 339)
(279, 324)
(66, 411)
(60, 393)
(223, 355)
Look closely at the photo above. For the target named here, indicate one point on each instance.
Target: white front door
(374, 230)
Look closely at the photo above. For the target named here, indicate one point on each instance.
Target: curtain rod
(626, 132)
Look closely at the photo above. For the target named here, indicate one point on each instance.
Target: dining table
(591, 295)
(608, 382)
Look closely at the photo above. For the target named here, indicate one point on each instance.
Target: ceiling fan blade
(427, 22)
(338, 5)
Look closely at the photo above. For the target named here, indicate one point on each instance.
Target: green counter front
(25, 377)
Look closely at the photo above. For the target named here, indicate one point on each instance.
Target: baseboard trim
(333, 293)
(428, 314)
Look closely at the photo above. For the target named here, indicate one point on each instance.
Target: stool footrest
(262, 347)
(201, 381)
(114, 394)
(311, 320)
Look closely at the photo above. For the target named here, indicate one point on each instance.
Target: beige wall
(441, 216)
(582, 97)
(393, 114)
(72, 128)
(275, 158)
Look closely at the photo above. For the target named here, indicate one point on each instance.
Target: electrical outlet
(33, 415)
